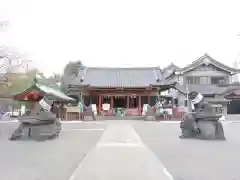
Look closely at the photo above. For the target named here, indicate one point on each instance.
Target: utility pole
(189, 103)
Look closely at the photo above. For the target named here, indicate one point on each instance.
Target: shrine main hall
(120, 87)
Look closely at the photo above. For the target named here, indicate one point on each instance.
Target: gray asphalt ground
(58, 159)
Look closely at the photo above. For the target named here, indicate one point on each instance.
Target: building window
(218, 80)
(204, 80)
(197, 80)
(190, 80)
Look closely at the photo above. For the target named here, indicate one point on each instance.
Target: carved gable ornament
(206, 61)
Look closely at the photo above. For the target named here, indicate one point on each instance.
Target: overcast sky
(122, 32)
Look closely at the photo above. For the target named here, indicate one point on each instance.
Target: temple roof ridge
(207, 59)
(126, 77)
(128, 68)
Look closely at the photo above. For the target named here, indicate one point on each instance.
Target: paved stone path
(120, 155)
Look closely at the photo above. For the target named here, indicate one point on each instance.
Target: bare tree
(11, 61)
(3, 78)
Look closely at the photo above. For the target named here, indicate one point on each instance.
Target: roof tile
(203, 89)
(203, 58)
(119, 77)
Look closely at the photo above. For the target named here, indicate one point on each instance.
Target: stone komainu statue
(202, 122)
(42, 126)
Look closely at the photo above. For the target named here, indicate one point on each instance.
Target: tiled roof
(206, 58)
(50, 93)
(171, 66)
(118, 77)
(231, 89)
(203, 89)
(57, 94)
(49, 82)
(170, 70)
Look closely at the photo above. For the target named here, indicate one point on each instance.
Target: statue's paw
(182, 137)
(12, 138)
(221, 138)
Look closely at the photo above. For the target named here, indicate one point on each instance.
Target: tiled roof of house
(119, 77)
(170, 70)
(207, 59)
(232, 88)
(203, 89)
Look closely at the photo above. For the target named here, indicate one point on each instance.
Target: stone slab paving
(120, 155)
(48, 160)
(193, 159)
(133, 148)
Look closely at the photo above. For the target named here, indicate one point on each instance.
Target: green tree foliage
(70, 70)
(18, 82)
(72, 67)
(55, 78)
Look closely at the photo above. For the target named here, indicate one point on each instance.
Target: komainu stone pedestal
(42, 127)
(202, 122)
(207, 129)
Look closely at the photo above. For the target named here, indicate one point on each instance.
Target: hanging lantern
(25, 98)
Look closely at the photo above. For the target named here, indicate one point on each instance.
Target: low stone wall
(233, 117)
(119, 118)
(149, 118)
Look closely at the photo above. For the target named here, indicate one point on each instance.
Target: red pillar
(99, 103)
(149, 97)
(140, 104)
(111, 104)
(33, 108)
